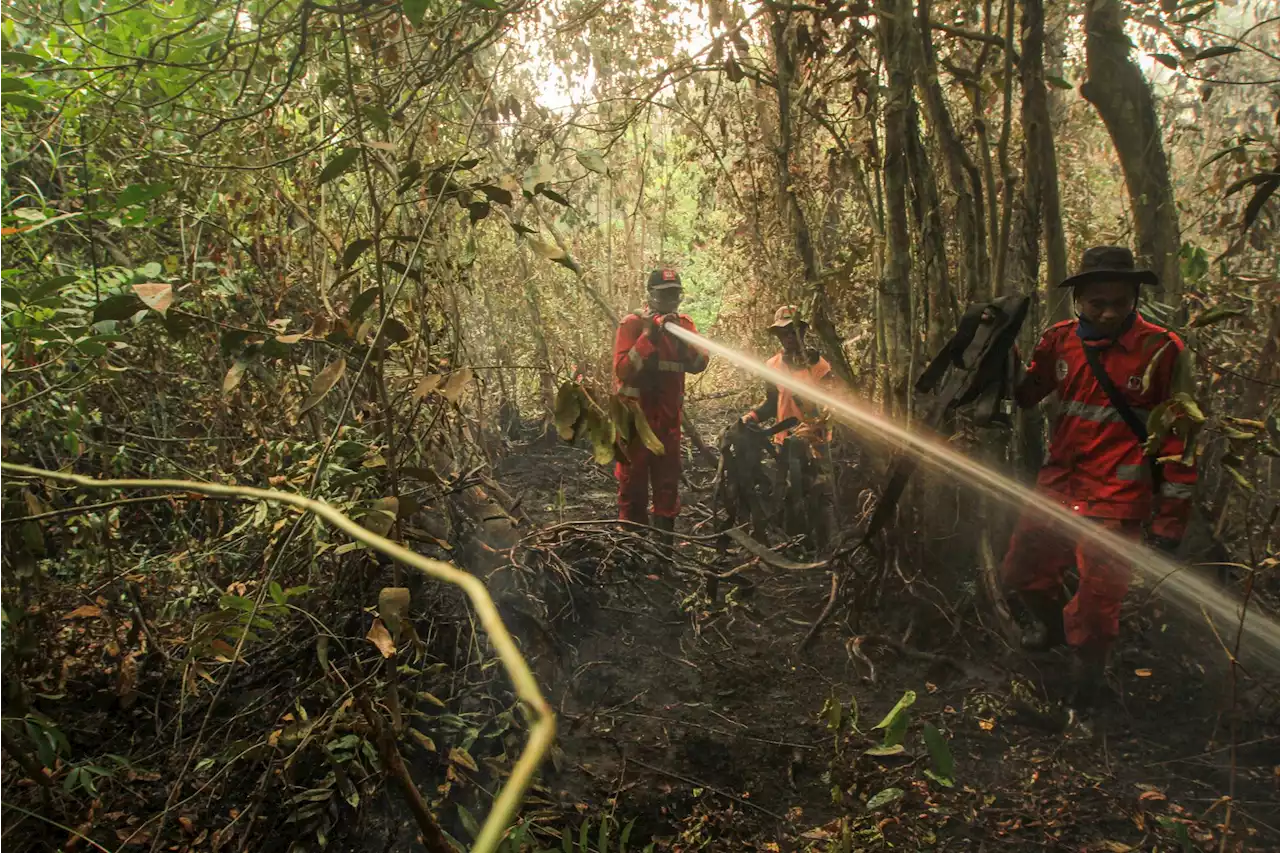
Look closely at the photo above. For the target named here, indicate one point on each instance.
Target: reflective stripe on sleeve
(1097, 414)
(1177, 491)
(1131, 473)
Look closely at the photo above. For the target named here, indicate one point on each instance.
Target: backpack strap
(1121, 405)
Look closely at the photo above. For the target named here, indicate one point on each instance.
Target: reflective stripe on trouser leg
(664, 473)
(633, 483)
(1092, 617)
(1037, 559)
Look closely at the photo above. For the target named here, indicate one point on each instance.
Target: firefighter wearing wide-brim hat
(1110, 367)
(649, 367)
(805, 364)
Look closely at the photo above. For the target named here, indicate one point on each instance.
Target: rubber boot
(1046, 630)
(667, 528)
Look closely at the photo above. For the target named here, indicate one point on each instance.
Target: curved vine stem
(542, 730)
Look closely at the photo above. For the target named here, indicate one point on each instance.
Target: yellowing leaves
(323, 384)
(463, 758)
(457, 384)
(428, 384)
(568, 410)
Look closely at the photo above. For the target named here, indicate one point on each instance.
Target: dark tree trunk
(962, 172)
(1042, 214)
(895, 300)
(1122, 96)
(939, 310)
(793, 214)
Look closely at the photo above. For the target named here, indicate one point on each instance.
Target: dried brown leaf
(381, 637)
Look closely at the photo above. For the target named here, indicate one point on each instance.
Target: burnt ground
(701, 720)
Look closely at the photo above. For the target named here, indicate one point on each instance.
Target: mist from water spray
(1260, 640)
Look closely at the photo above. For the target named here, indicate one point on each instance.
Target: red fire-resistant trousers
(1039, 556)
(648, 469)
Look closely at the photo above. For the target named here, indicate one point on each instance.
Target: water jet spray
(1260, 638)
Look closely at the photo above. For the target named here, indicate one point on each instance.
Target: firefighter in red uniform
(1110, 367)
(649, 367)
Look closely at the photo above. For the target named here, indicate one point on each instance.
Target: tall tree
(1122, 96)
(893, 17)
(1041, 201)
(962, 172)
(789, 204)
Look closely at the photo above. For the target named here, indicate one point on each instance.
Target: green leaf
(14, 84)
(478, 210)
(120, 307)
(17, 99)
(491, 5)
(593, 161)
(1167, 60)
(140, 193)
(944, 764)
(1260, 196)
(602, 840)
(408, 174)
(361, 304)
(908, 699)
(498, 195)
(1241, 479)
(354, 250)
(378, 116)
(941, 780)
(896, 749)
(626, 835)
(338, 165)
(832, 712)
(1215, 51)
(886, 797)
(1057, 82)
(414, 10)
(17, 57)
(277, 594)
(400, 269)
(554, 196)
(468, 822)
(583, 833)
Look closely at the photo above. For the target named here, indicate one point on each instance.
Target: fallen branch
(756, 549)
(542, 730)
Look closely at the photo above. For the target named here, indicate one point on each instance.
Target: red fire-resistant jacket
(1095, 463)
(651, 369)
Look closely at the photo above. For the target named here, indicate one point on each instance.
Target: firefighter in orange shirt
(812, 435)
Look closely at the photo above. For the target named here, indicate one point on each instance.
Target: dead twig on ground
(712, 789)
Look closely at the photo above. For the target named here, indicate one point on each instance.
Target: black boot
(667, 529)
(1088, 677)
(1046, 630)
